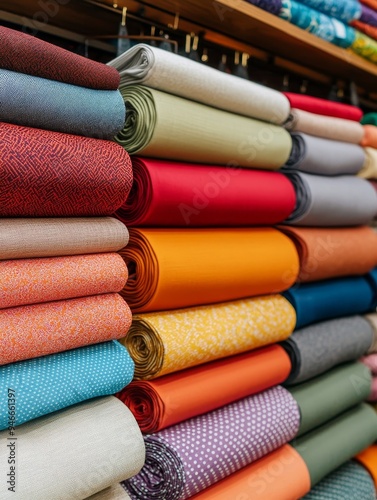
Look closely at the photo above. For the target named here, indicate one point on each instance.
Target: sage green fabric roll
(162, 125)
(324, 397)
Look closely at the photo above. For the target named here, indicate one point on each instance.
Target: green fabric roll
(165, 126)
(369, 119)
(324, 397)
(329, 446)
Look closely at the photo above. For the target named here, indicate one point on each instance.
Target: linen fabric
(40, 329)
(38, 237)
(189, 457)
(49, 174)
(332, 201)
(177, 75)
(368, 16)
(169, 341)
(346, 10)
(370, 136)
(162, 125)
(47, 104)
(195, 391)
(178, 194)
(27, 54)
(115, 492)
(172, 268)
(365, 47)
(84, 454)
(369, 170)
(368, 458)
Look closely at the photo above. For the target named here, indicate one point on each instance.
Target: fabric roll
(47, 104)
(336, 157)
(31, 281)
(369, 119)
(368, 30)
(369, 170)
(332, 201)
(29, 238)
(116, 492)
(272, 6)
(220, 382)
(162, 125)
(328, 127)
(371, 3)
(44, 385)
(334, 252)
(329, 446)
(324, 397)
(172, 268)
(371, 362)
(370, 136)
(368, 458)
(37, 330)
(365, 47)
(49, 174)
(368, 16)
(177, 194)
(27, 54)
(83, 453)
(345, 10)
(166, 342)
(348, 482)
(318, 348)
(281, 474)
(373, 392)
(189, 457)
(372, 320)
(177, 75)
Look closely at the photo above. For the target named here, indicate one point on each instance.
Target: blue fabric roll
(47, 104)
(43, 385)
(344, 10)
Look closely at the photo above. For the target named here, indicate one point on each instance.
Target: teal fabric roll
(344, 10)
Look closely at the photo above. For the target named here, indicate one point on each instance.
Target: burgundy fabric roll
(324, 107)
(50, 174)
(26, 54)
(178, 194)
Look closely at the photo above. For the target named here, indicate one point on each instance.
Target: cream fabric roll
(369, 170)
(72, 454)
(116, 492)
(372, 318)
(174, 74)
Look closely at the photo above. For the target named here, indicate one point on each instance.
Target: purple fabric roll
(273, 6)
(189, 457)
(368, 15)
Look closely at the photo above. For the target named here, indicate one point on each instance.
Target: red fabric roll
(324, 107)
(26, 54)
(177, 194)
(50, 174)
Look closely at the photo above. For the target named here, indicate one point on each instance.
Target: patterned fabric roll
(344, 10)
(368, 16)
(365, 47)
(272, 6)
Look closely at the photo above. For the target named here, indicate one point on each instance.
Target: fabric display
(368, 458)
(325, 107)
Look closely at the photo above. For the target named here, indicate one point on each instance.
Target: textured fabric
(369, 170)
(115, 492)
(336, 157)
(371, 362)
(37, 330)
(324, 107)
(50, 383)
(162, 125)
(172, 268)
(31, 281)
(189, 457)
(368, 15)
(332, 201)
(166, 342)
(174, 74)
(178, 194)
(26, 54)
(370, 31)
(47, 104)
(365, 47)
(370, 136)
(372, 320)
(174, 398)
(25, 238)
(318, 348)
(272, 6)
(344, 10)
(83, 453)
(368, 458)
(49, 174)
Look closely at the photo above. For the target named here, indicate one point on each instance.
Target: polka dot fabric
(189, 457)
(50, 383)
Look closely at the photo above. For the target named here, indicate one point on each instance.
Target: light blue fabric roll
(47, 104)
(344, 10)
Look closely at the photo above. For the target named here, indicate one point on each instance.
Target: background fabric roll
(345, 10)
(47, 104)
(369, 170)
(365, 47)
(372, 320)
(40, 384)
(368, 15)
(237, 434)
(83, 453)
(369, 137)
(272, 6)
(49, 174)
(186, 267)
(332, 201)
(368, 458)
(370, 31)
(173, 74)
(50, 237)
(174, 194)
(162, 125)
(370, 362)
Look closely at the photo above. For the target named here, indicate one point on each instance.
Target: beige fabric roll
(116, 492)
(369, 170)
(72, 454)
(372, 318)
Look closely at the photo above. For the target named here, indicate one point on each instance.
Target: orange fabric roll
(173, 268)
(32, 331)
(365, 28)
(282, 474)
(332, 252)
(368, 458)
(174, 398)
(371, 3)
(31, 281)
(370, 136)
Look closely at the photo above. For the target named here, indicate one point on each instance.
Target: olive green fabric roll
(162, 125)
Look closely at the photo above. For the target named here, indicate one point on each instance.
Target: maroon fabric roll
(50, 174)
(178, 194)
(324, 107)
(26, 54)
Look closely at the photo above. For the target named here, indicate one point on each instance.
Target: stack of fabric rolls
(60, 274)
